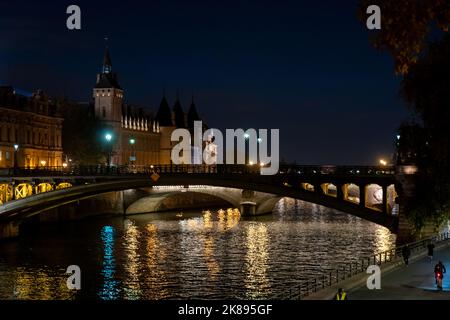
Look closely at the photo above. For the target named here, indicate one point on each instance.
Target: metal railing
(351, 269)
(284, 170)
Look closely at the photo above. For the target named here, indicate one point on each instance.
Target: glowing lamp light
(246, 136)
(262, 164)
(132, 141)
(64, 165)
(16, 147)
(383, 162)
(259, 140)
(43, 163)
(151, 166)
(108, 137)
(250, 163)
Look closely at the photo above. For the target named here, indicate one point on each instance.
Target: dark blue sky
(305, 67)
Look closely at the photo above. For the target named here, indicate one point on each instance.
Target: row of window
(108, 93)
(36, 139)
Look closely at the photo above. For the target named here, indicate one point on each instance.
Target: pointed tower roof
(192, 114)
(179, 114)
(107, 79)
(164, 115)
(107, 63)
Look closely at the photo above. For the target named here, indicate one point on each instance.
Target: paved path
(415, 281)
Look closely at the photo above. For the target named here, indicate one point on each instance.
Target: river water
(214, 254)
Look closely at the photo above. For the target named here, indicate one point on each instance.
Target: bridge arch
(352, 193)
(329, 189)
(176, 199)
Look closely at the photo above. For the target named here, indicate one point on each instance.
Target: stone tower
(108, 95)
(108, 101)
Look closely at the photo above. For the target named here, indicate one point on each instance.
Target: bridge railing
(346, 271)
(290, 170)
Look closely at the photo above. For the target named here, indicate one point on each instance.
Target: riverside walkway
(398, 281)
(412, 282)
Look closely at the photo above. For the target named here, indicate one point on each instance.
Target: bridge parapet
(285, 170)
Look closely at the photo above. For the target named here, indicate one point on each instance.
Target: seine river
(212, 254)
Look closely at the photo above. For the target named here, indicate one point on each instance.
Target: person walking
(341, 295)
(406, 252)
(430, 247)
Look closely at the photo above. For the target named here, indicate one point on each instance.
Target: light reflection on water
(214, 254)
(109, 289)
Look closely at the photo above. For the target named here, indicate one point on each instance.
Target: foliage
(426, 90)
(405, 26)
(80, 134)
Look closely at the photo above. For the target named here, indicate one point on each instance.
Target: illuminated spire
(107, 64)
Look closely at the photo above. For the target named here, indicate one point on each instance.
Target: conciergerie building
(137, 137)
(31, 126)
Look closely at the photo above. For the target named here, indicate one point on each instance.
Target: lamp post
(108, 138)
(133, 151)
(16, 148)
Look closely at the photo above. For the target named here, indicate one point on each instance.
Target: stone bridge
(366, 192)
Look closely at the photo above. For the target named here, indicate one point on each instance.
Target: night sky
(305, 67)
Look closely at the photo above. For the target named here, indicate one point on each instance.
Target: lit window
(1, 155)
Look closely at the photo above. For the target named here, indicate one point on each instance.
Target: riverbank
(398, 282)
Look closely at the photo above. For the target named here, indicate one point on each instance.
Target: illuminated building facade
(30, 130)
(137, 137)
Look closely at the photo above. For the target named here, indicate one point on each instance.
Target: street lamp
(16, 148)
(133, 151)
(383, 162)
(108, 138)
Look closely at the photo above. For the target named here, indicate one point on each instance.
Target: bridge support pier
(9, 230)
(362, 195)
(248, 208)
(385, 202)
